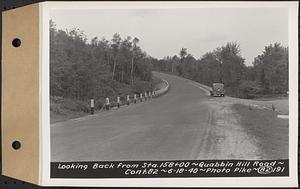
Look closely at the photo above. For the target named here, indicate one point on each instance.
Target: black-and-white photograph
(149, 84)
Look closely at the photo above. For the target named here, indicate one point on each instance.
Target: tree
(135, 41)
(271, 69)
(182, 54)
(209, 69)
(80, 70)
(232, 67)
(116, 41)
(175, 60)
(190, 66)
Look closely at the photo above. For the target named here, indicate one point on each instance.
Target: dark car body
(217, 89)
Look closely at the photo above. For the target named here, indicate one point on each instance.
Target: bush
(55, 104)
(249, 89)
(99, 103)
(76, 105)
(142, 86)
(60, 105)
(56, 99)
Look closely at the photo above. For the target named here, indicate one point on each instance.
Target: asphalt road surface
(184, 124)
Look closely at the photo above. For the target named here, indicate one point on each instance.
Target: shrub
(60, 105)
(142, 86)
(249, 89)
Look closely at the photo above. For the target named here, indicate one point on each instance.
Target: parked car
(217, 89)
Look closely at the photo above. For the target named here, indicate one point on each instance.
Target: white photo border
(44, 176)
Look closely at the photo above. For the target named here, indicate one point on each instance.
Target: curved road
(183, 124)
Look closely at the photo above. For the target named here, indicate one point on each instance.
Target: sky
(163, 32)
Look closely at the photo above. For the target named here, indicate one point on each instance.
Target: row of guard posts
(136, 98)
(142, 97)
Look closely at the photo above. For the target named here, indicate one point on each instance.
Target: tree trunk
(114, 69)
(172, 66)
(122, 76)
(108, 61)
(131, 71)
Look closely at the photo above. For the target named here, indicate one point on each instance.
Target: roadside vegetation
(266, 77)
(100, 68)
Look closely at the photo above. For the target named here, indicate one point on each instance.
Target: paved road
(185, 124)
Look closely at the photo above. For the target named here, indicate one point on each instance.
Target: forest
(267, 76)
(81, 69)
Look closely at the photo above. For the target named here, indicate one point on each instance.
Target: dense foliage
(81, 70)
(270, 69)
(267, 76)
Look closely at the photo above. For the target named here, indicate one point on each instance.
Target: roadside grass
(281, 104)
(157, 82)
(62, 109)
(271, 132)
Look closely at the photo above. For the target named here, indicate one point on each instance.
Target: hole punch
(16, 42)
(16, 145)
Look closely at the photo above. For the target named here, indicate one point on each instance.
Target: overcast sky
(163, 32)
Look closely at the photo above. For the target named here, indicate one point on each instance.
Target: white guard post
(135, 99)
(118, 101)
(107, 103)
(92, 106)
(128, 100)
